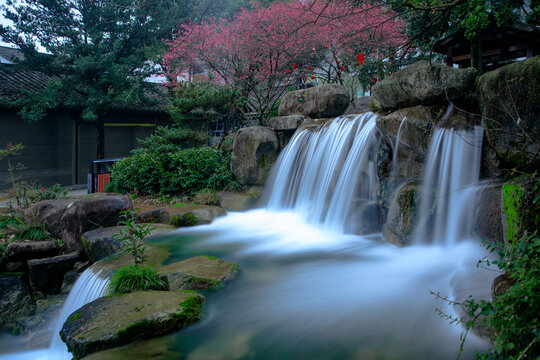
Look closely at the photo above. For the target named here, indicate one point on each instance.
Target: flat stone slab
(201, 272)
(101, 243)
(112, 321)
(28, 250)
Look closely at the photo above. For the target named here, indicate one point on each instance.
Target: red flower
(312, 77)
(294, 66)
(342, 67)
(309, 67)
(339, 62)
(373, 80)
(287, 71)
(42, 189)
(326, 46)
(373, 50)
(360, 59)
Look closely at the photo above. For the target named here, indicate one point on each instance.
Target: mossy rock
(402, 215)
(156, 254)
(201, 272)
(118, 320)
(510, 101)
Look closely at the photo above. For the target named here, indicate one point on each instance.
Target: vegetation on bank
(136, 276)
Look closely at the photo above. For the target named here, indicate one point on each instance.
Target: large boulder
(422, 83)
(413, 142)
(359, 106)
(285, 123)
(402, 215)
(510, 101)
(101, 242)
(489, 219)
(15, 300)
(49, 214)
(117, 320)
(285, 126)
(323, 101)
(27, 250)
(47, 275)
(201, 272)
(91, 213)
(255, 150)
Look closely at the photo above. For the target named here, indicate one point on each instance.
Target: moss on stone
(512, 199)
(74, 317)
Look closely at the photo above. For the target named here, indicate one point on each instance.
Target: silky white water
(88, 287)
(311, 289)
(450, 186)
(328, 175)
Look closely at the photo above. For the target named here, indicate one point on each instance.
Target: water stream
(313, 286)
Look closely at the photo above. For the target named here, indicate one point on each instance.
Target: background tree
(97, 52)
(266, 49)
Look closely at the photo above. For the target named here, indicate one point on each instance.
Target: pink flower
(42, 189)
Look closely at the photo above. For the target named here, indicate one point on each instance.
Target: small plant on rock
(132, 235)
(132, 278)
(135, 277)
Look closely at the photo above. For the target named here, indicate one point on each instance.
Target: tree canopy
(97, 52)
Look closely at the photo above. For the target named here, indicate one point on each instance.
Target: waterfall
(396, 148)
(88, 287)
(448, 198)
(327, 176)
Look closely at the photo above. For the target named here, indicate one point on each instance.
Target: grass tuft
(132, 278)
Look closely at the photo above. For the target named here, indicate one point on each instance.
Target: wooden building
(499, 46)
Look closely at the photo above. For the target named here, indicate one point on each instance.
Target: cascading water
(449, 189)
(327, 175)
(88, 287)
(396, 147)
(306, 289)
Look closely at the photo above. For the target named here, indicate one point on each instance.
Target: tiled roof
(10, 54)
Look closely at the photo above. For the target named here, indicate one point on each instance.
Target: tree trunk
(100, 137)
(476, 53)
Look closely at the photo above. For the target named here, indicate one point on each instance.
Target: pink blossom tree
(266, 50)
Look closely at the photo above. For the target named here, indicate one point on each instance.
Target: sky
(3, 21)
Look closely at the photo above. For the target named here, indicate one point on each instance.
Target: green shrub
(183, 172)
(132, 235)
(10, 220)
(54, 192)
(31, 232)
(132, 278)
(167, 140)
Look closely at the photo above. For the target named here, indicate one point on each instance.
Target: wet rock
(359, 106)
(285, 126)
(510, 101)
(284, 123)
(422, 83)
(27, 250)
(201, 272)
(91, 213)
(117, 320)
(402, 215)
(69, 280)
(101, 243)
(489, 215)
(191, 215)
(49, 214)
(413, 139)
(254, 153)
(364, 218)
(15, 300)
(322, 101)
(235, 201)
(500, 285)
(47, 275)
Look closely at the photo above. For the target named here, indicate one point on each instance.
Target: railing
(99, 174)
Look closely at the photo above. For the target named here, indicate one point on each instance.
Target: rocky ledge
(137, 315)
(201, 272)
